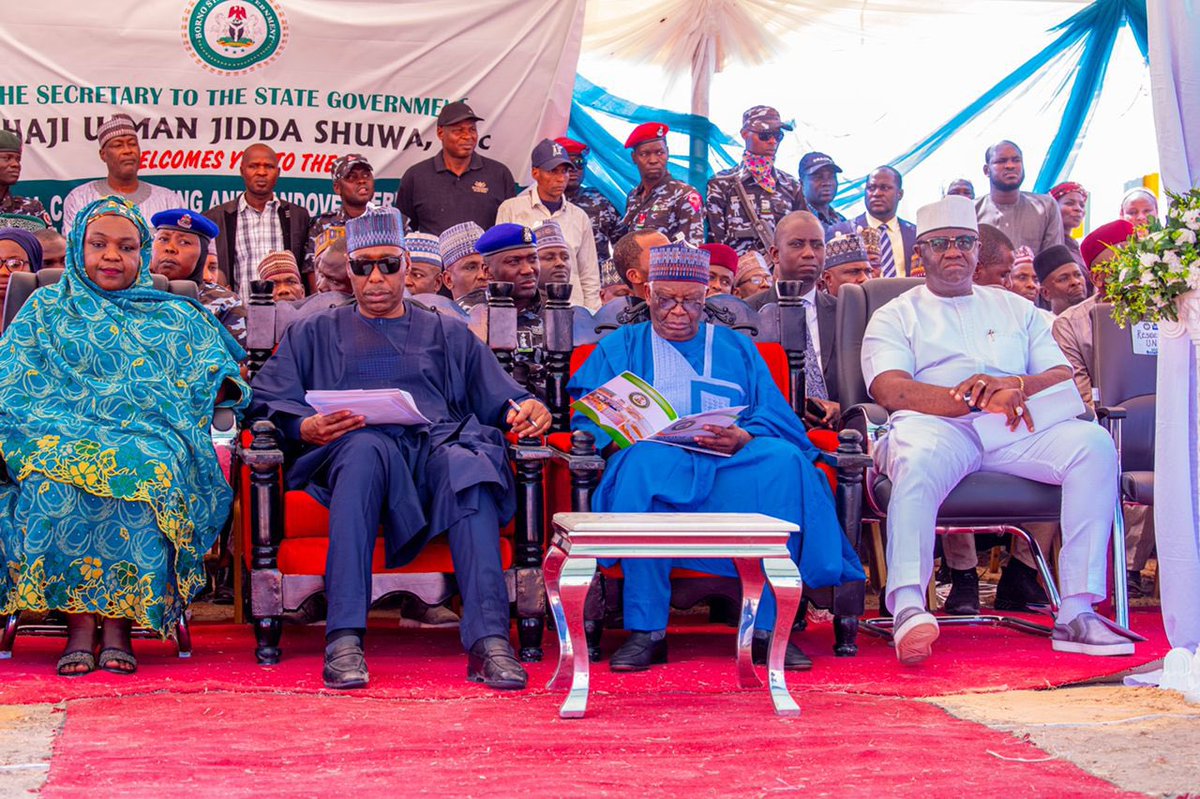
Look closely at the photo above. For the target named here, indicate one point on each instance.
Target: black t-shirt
(433, 198)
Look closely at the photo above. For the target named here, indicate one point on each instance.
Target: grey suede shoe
(1092, 634)
(914, 631)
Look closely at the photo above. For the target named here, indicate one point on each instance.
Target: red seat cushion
(307, 556)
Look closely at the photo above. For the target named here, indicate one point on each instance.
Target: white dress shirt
(896, 238)
(528, 209)
(814, 329)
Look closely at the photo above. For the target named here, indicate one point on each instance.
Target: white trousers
(926, 456)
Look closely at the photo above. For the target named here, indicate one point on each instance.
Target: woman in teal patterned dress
(113, 492)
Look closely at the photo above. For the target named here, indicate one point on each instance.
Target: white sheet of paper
(1145, 338)
(378, 405)
(1056, 404)
(683, 432)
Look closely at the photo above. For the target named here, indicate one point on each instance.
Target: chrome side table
(756, 543)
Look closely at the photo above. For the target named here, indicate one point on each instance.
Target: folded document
(378, 405)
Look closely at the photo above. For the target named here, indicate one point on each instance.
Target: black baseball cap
(811, 162)
(455, 113)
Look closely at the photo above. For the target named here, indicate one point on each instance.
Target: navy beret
(506, 236)
(185, 220)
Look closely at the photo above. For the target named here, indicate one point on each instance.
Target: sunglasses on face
(768, 135)
(961, 243)
(363, 267)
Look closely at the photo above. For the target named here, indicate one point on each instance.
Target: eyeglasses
(777, 135)
(961, 243)
(667, 304)
(363, 267)
(14, 264)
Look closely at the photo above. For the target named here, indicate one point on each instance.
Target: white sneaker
(914, 631)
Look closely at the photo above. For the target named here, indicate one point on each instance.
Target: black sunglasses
(363, 267)
(777, 135)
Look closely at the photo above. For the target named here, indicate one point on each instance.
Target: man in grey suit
(799, 254)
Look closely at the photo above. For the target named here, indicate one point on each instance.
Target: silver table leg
(751, 574)
(1120, 573)
(785, 581)
(567, 583)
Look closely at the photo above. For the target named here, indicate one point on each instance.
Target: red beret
(647, 131)
(1113, 234)
(571, 146)
(722, 255)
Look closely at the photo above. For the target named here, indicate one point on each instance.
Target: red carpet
(220, 726)
(423, 664)
(219, 745)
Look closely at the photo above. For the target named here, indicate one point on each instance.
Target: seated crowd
(113, 493)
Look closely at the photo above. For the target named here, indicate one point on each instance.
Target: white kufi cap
(951, 211)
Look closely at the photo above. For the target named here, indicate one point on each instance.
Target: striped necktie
(814, 380)
(887, 259)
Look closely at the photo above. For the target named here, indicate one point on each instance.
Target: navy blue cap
(506, 236)
(811, 162)
(549, 154)
(186, 221)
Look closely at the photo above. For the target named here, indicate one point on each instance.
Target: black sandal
(112, 653)
(78, 657)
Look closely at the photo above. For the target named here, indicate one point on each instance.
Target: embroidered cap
(678, 262)
(327, 237)
(379, 227)
(504, 237)
(549, 234)
(844, 246)
(458, 241)
(277, 263)
(115, 126)
(22, 222)
(423, 248)
(1050, 260)
(1063, 189)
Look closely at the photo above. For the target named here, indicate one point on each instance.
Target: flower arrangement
(1149, 273)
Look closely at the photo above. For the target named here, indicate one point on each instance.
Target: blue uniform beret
(506, 236)
(185, 220)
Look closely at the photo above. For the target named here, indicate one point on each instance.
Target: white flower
(1147, 259)
(1192, 219)
(1185, 236)
(1193, 279)
(1172, 260)
(1147, 278)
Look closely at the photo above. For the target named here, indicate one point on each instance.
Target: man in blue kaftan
(770, 464)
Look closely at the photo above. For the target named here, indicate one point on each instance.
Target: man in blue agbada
(451, 476)
(107, 390)
(770, 468)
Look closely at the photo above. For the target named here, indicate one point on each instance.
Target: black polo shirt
(433, 198)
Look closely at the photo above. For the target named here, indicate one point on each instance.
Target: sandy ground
(26, 741)
(1141, 739)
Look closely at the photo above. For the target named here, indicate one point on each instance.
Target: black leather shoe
(1019, 588)
(491, 661)
(794, 658)
(638, 653)
(345, 666)
(963, 599)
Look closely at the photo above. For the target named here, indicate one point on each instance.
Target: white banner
(313, 79)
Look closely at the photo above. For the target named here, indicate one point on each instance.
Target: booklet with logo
(630, 410)
(378, 405)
